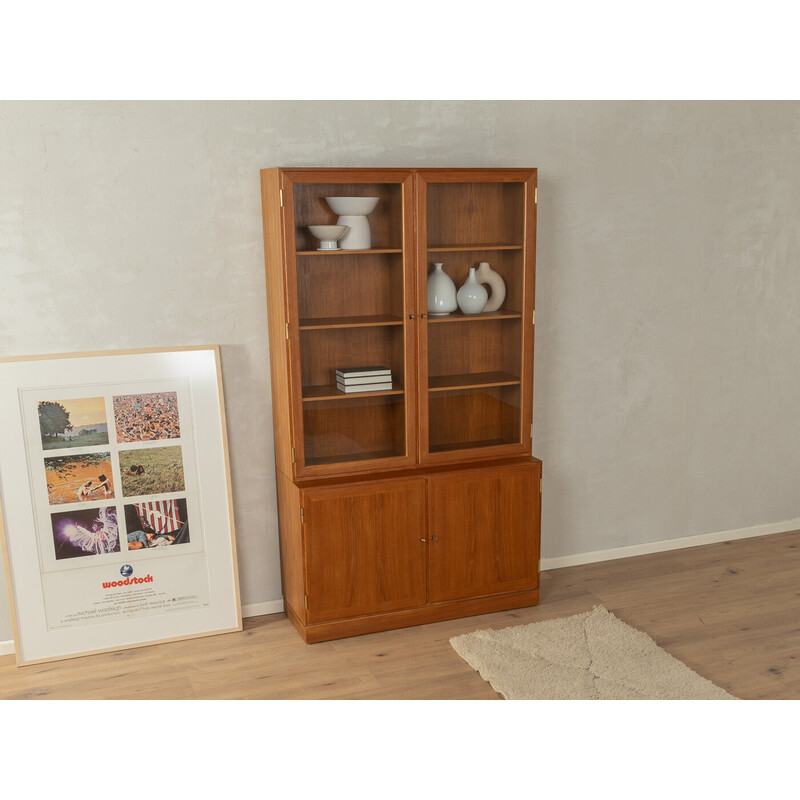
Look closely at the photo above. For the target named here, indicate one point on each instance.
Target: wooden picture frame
(116, 517)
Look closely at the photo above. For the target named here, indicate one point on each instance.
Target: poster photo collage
(85, 469)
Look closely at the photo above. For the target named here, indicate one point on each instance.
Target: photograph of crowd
(147, 417)
(157, 523)
(78, 478)
(87, 532)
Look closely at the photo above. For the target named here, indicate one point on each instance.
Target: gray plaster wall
(667, 372)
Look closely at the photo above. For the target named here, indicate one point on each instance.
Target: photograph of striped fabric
(161, 515)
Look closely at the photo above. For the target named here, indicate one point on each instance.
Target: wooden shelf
(322, 323)
(481, 380)
(453, 248)
(445, 448)
(376, 250)
(313, 394)
(367, 456)
(458, 316)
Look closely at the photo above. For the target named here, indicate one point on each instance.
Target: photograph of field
(146, 417)
(78, 478)
(88, 532)
(79, 422)
(152, 470)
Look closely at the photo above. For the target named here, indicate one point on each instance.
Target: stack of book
(364, 379)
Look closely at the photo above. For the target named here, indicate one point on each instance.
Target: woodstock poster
(121, 546)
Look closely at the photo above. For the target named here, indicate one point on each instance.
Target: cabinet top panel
(325, 174)
(342, 175)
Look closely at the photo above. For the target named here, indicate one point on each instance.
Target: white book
(370, 379)
(365, 387)
(363, 372)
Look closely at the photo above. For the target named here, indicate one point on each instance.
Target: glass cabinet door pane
(473, 362)
(350, 307)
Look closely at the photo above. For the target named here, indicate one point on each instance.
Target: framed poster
(117, 521)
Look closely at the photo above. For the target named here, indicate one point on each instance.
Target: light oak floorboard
(730, 611)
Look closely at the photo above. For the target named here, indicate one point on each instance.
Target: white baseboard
(668, 544)
(259, 609)
(276, 606)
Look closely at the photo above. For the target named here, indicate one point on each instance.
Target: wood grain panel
(292, 562)
(475, 213)
(485, 345)
(418, 616)
(282, 422)
(354, 428)
(465, 418)
(363, 549)
(484, 536)
(346, 285)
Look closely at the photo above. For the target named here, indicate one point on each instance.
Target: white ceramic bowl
(347, 206)
(328, 235)
(328, 232)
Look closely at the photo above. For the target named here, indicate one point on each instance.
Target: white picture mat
(198, 368)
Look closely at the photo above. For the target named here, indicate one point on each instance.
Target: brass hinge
(535, 195)
(281, 194)
(540, 485)
(533, 317)
(306, 602)
(302, 515)
(531, 430)
(293, 455)
(287, 330)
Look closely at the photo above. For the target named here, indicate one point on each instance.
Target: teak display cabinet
(421, 501)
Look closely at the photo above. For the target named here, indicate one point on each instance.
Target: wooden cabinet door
(365, 549)
(484, 533)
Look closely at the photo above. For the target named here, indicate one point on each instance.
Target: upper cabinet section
(348, 254)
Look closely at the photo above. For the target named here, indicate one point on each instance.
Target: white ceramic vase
(472, 296)
(353, 212)
(485, 274)
(441, 292)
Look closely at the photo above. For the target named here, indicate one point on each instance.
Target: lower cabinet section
(369, 555)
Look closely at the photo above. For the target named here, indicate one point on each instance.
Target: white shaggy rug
(591, 656)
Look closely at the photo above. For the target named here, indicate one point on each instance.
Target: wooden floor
(731, 611)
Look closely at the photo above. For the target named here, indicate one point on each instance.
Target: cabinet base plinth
(327, 631)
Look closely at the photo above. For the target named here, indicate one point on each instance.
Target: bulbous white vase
(485, 274)
(441, 293)
(472, 296)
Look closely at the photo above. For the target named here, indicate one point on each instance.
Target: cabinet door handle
(434, 538)
(411, 316)
(423, 540)
(422, 316)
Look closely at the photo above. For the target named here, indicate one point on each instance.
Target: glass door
(351, 341)
(476, 361)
